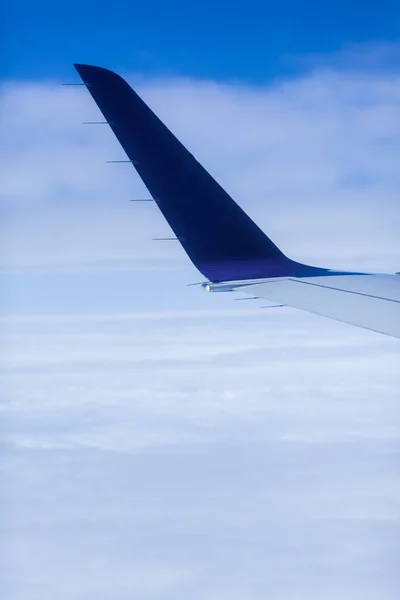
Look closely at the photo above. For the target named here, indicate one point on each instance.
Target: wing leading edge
(219, 237)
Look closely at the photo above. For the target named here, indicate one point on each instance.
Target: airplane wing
(221, 240)
(368, 301)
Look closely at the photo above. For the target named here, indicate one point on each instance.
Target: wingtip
(80, 67)
(88, 72)
(83, 66)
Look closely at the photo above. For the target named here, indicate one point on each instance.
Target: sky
(253, 42)
(158, 442)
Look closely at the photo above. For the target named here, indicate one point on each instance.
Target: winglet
(218, 236)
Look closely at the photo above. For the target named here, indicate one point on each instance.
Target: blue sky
(158, 442)
(250, 41)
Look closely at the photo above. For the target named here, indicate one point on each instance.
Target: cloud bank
(167, 457)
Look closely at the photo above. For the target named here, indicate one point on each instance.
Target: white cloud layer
(170, 457)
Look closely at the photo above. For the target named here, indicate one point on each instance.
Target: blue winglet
(220, 239)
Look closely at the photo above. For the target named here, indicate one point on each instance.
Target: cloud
(376, 57)
(313, 161)
(173, 457)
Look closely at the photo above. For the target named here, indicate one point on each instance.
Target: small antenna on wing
(85, 84)
(170, 239)
(134, 162)
(273, 306)
(96, 123)
(141, 200)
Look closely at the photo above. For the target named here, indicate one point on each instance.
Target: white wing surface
(368, 301)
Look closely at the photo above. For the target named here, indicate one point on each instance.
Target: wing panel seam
(328, 287)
